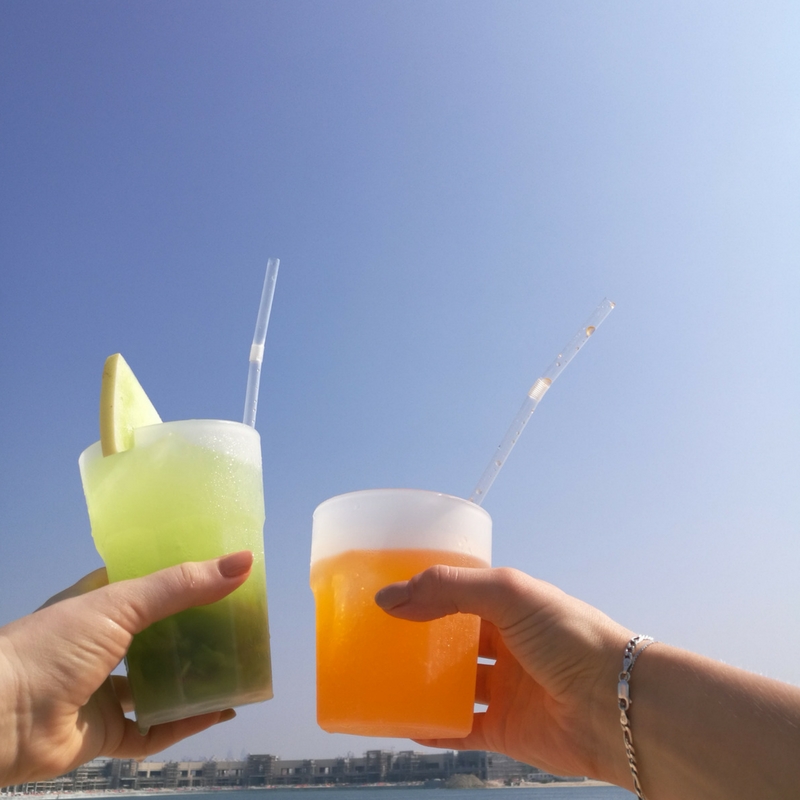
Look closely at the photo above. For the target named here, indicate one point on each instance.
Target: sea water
(552, 792)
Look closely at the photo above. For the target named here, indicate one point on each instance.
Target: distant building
(375, 766)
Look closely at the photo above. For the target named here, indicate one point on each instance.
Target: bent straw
(535, 394)
(259, 337)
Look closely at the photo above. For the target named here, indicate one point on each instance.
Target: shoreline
(105, 793)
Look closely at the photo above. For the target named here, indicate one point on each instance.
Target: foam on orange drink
(378, 675)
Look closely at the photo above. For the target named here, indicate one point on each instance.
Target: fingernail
(235, 564)
(393, 596)
(226, 715)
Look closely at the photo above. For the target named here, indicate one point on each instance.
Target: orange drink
(378, 675)
(363, 681)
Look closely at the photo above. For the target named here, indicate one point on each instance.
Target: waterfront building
(375, 766)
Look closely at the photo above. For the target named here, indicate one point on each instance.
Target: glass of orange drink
(378, 675)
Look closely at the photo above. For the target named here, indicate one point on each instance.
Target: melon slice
(124, 405)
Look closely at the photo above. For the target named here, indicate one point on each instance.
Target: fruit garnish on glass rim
(124, 405)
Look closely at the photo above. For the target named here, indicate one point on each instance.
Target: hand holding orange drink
(378, 675)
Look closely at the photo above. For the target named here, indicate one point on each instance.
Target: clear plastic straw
(259, 337)
(535, 394)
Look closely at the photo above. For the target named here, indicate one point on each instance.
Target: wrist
(611, 762)
(9, 706)
(633, 649)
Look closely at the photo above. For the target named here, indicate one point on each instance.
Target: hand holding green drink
(162, 493)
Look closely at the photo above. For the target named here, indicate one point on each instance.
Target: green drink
(186, 491)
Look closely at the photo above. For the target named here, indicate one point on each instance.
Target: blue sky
(452, 187)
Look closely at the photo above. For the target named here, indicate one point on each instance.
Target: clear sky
(452, 187)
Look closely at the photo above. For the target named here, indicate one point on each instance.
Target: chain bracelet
(629, 657)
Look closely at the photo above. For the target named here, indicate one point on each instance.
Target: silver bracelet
(629, 657)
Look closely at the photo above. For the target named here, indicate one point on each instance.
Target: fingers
(162, 736)
(487, 646)
(137, 745)
(475, 740)
(122, 690)
(482, 684)
(500, 596)
(135, 604)
(94, 580)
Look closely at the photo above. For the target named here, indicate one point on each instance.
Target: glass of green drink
(186, 491)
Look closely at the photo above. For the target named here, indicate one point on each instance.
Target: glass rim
(398, 491)
(87, 452)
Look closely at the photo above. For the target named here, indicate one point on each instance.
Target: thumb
(502, 596)
(139, 602)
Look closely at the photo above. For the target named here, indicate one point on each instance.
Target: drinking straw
(535, 394)
(259, 337)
